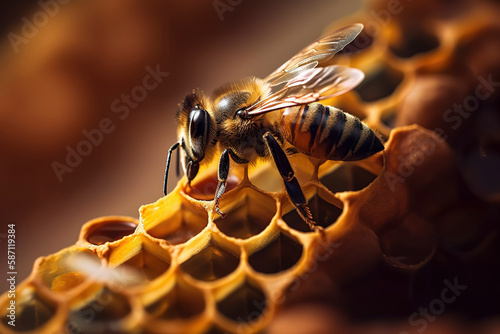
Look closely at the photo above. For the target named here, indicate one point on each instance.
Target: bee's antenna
(174, 147)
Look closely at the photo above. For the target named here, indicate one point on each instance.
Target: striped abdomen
(326, 132)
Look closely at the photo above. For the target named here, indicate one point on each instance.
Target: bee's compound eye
(197, 124)
(198, 133)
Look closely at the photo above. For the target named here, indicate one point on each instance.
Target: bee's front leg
(165, 179)
(222, 175)
(292, 186)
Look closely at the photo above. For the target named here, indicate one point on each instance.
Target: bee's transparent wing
(91, 267)
(316, 53)
(310, 86)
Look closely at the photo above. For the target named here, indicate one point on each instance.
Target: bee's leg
(222, 177)
(291, 184)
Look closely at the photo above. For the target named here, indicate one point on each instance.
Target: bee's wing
(310, 86)
(315, 54)
(91, 267)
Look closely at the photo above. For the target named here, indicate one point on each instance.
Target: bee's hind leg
(291, 184)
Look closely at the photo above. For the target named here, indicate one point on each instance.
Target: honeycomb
(425, 202)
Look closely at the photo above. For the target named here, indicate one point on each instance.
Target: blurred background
(62, 75)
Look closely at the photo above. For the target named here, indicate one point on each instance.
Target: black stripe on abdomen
(316, 123)
(335, 133)
(352, 133)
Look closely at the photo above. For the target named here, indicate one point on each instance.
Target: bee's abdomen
(326, 132)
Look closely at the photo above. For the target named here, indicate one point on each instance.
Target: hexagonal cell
(409, 243)
(102, 314)
(413, 41)
(324, 214)
(211, 263)
(182, 301)
(150, 266)
(203, 188)
(186, 222)
(347, 177)
(249, 216)
(389, 118)
(31, 311)
(142, 258)
(246, 304)
(282, 253)
(108, 229)
(59, 271)
(380, 81)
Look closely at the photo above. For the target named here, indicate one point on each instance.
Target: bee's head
(196, 132)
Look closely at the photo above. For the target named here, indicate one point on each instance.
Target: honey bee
(247, 120)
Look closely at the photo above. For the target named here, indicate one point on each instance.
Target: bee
(248, 119)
